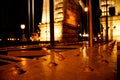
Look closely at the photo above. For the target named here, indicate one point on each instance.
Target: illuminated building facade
(65, 21)
(113, 12)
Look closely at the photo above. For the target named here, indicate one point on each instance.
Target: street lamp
(22, 26)
(23, 39)
(89, 19)
(90, 24)
(87, 23)
(86, 9)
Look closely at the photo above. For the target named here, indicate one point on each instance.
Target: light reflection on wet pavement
(83, 63)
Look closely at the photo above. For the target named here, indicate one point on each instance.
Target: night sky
(15, 12)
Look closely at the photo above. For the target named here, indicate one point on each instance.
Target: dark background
(15, 12)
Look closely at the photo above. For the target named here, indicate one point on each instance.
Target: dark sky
(15, 12)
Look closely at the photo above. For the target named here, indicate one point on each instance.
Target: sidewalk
(80, 63)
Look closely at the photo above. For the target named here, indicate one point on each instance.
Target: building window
(103, 4)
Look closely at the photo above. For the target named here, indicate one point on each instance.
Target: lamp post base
(23, 39)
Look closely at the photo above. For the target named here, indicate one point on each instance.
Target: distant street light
(22, 26)
(23, 39)
(86, 9)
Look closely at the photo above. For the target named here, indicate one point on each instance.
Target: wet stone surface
(82, 63)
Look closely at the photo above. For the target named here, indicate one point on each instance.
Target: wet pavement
(74, 63)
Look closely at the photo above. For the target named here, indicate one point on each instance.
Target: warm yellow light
(24, 63)
(0, 39)
(18, 39)
(72, 18)
(85, 35)
(86, 9)
(22, 26)
(45, 31)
